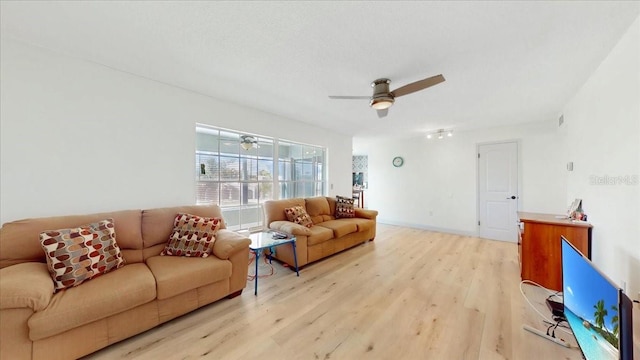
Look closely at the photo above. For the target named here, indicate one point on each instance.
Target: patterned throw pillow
(298, 215)
(344, 207)
(192, 236)
(79, 254)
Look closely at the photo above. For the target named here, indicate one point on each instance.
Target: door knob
(513, 197)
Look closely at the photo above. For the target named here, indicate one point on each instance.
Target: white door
(498, 191)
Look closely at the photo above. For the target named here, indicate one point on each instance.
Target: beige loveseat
(327, 236)
(148, 290)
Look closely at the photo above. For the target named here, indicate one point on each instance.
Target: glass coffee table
(265, 240)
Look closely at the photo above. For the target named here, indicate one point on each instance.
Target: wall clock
(398, 161)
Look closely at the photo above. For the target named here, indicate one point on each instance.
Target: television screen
(591, 306)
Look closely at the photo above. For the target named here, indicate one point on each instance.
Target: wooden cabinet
(539, 249)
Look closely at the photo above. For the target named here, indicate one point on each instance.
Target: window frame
(245, 190)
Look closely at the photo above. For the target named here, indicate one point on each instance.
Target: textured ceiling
(505, 62)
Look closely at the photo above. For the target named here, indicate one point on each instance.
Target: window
(241, 180)
(301, 170)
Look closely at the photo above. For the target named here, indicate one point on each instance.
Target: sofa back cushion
(157, 224)
(20, 240)
(274, 209)
(318, 208)
(332, 206)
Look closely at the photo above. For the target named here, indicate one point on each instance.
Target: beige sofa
(327, 236)
(148, 290)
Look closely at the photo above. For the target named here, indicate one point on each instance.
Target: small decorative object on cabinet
(539, 246)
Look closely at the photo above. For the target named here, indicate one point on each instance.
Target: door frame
(519, 167)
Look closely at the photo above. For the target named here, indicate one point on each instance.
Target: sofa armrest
(290, 227)
(367, 214)
(25, 285)
(228, 243)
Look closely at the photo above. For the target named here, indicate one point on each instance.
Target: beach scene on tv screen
(591, 306)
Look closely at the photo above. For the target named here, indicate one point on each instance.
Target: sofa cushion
(344, 207)
(319, 234)
(364, 224)
(340, 227)
(298, 215)
(175, 275)
(110, 294)
(78, 254)
(21, 238)
(157, 224)
(192, 236)
(318, 208)
(274, 209)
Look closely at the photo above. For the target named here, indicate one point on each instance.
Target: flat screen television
(597, 310)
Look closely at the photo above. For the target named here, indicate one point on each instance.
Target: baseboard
(426, 227)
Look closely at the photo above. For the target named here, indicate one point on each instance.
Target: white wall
(603, 121)
(77, 137)
(601, 136)
(436, 188)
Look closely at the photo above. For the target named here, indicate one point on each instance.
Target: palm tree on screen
(615, 320)
(600, 313)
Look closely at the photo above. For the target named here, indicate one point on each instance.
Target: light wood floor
(410, 294)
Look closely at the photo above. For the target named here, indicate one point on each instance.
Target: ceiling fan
(382, 98)
(248, 142)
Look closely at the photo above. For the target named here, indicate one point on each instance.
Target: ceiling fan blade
(348, 97)
(382, 113)
(418, 85)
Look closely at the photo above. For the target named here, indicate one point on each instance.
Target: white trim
(430, 228)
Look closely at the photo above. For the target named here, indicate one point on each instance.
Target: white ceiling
(505, 62)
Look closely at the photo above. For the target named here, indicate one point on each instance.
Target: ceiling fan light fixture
(381, 103)
(381, 99)
(248, 142)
